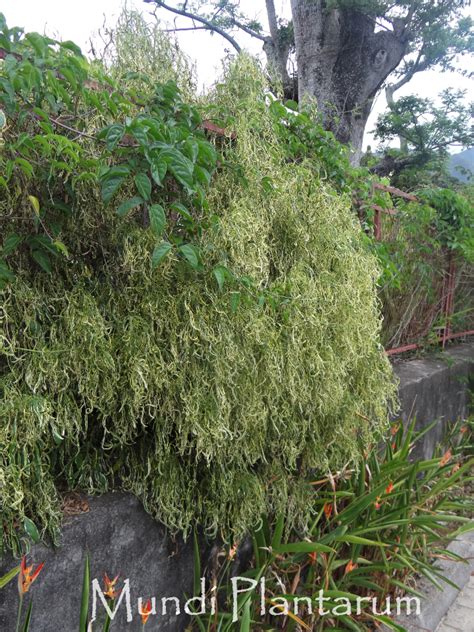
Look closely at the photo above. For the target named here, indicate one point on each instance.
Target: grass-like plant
(376, 530)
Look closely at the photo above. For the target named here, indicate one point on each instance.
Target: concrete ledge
(436, 388)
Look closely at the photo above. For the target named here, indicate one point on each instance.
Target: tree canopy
(344, 51)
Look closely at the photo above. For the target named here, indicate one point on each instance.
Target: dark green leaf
(7, 578)
(220, 273)
(85, 596)
(190, 253)
(157, 219)
(31, 530)
(159, 253)
(235, 301)
(303, 547)
(25, 166)
(180, 166)
(114, 136)
(143, 184)
(139, 132)
(183, 211)
(43, 259)
(26, 625)
(158, 171)
(110, 187)
(10, 244)
(202, 175)
(207, 154)
(128, 205)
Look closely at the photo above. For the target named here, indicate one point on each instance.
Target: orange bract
(27, 575)
(328, 508)
(446, 458)
(110, 590)
(232, 552)
(350, 566)
(146, 611)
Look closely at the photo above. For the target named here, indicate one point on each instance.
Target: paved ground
(460, 616)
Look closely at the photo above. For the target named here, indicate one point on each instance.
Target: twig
(198, 18)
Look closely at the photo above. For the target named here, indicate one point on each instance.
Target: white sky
(77, 21)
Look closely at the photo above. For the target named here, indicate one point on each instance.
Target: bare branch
(192, 16)
(248, 30)
(418, 66)
(186, 28)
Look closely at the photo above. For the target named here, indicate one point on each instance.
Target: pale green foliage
(114, 374)
(135, 46)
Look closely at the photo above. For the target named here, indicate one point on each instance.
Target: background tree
(345, 50)
(427, 132)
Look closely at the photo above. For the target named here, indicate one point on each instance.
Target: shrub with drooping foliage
(202, 347)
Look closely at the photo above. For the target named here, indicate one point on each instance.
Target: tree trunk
(277, 50)
(342, 62)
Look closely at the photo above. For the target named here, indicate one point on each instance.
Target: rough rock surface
(120, 537)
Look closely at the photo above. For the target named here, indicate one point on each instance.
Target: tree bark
(277, 50)
(342, 62)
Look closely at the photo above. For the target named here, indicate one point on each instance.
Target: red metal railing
(449, 280)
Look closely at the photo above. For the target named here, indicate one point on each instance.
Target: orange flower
(328, 507)
(27, 576)
(463, 429)
(389, 488)
(394, 429)
(445, 458)
(145, 612)
(394, 445)
(110, 592)
(378, 502)
(350, 566)
(455, 468)
(313, 556)
(232, 552)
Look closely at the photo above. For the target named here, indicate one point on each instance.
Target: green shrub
(210, 377)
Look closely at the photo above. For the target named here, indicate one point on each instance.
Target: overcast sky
(77, 21)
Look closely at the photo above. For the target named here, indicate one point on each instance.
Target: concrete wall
(121, 538)
(436, 388)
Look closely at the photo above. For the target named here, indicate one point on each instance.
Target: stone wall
(436, 388)
(121, 538)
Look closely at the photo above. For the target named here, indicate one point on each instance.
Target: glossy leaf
(128, 205)
(157, 219)
(143, 184)
(159, 253)
(190, 253)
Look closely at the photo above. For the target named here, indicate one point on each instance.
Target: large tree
(345, 51)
